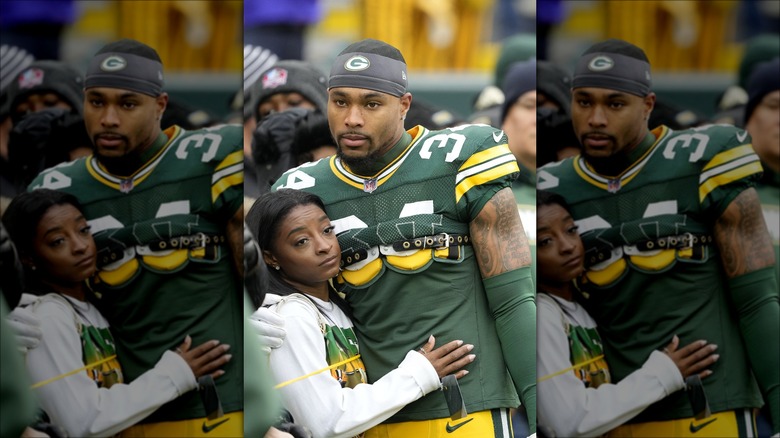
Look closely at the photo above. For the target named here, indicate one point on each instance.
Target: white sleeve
(320, 403)
(76, 403)
(567, 409)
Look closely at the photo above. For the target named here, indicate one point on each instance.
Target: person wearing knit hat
(167, 219)
(518, 112)
(553, 114)
(411, 208)
(46, 84)
(518, 120)
(46, 103)
(289, 84)
(673, 233)
(762, 117)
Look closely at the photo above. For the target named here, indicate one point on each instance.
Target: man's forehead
(110, 91)
(600, 92)
(359, 93)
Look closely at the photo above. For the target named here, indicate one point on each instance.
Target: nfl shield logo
(369, 185)
(275, 78)
(126, 185)
(613, 185)
(31, 78)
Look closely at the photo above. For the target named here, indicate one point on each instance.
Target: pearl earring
(277, 267)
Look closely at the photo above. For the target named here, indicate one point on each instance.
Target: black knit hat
(616, 65)
(763, 81)
(520, 79)
(291, 76)
(45, 77)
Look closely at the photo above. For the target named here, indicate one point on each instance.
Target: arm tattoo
(498, 237)
(742, 236)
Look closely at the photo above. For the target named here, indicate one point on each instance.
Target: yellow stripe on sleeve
(729, 155)
(728, 177)
(234, 158)
(486, 155)
(225, 183)
(483, 177)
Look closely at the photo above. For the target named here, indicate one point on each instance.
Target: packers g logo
(357, 63)
(113, 63)
(601, 63)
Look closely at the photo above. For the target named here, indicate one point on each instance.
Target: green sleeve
(16, 401)
(511, 299)
(756, 301)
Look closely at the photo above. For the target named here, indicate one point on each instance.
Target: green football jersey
(437, 184)
(642, 285)
(155, 286)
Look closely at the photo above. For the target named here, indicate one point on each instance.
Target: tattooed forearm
(498, 237)
(742, 236)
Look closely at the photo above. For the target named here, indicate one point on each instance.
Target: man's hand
(269, 325)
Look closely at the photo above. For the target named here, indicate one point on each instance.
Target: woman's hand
(693, 358)
(448, 358)
(206, 358)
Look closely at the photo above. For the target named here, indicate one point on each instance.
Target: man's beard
(360, 165)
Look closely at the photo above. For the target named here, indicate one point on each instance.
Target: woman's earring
(276, 267)
(33, 267)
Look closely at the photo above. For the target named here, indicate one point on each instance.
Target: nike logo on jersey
(695, 428)
(742, 136)
(451, 428)
(207, 428)
(497, 136)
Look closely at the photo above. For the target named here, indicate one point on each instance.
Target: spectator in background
(46, 103)
(288, 139)
(762, 121)
(731, 104)
(487, 105)
(280, 26)
(518, 120)
(553, 115)
(36, 25)
(288, 84)
(13, 61)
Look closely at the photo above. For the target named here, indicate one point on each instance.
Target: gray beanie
(291, 76)
(45, 77)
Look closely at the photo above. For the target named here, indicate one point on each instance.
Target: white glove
(269, 325)
(26, 326)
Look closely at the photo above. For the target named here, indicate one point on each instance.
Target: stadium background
(451, 46)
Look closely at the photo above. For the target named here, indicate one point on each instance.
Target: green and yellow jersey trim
(383, 175)
(484, 166)
(106, 178)
(727, 167)
(228, 173)
(593, 178)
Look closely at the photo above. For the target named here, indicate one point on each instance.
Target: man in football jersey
(675, 245)
(431, 243)
(165, 209)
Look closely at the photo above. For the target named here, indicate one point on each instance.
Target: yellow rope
(283, 384)
(70, 373)
(571, 368)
